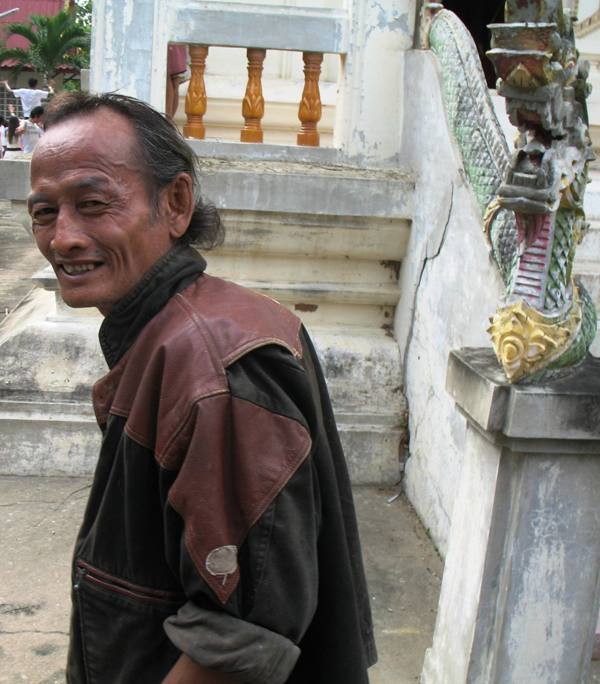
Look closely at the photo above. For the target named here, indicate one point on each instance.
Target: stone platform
(19, 259)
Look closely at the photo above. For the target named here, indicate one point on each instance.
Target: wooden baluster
(195, 100)
(309, 111)
(253, 106)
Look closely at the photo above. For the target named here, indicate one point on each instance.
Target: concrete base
(521, 584)
(363, 371)
(50, 360)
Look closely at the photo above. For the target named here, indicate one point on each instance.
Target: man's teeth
(80, 268)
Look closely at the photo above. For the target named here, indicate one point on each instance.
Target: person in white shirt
(31, 130)
(30, 97)
(3, 140)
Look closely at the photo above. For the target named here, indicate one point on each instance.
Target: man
(31, 130)
(219, 543)
(30, 97)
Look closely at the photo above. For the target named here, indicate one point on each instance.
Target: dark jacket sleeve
(251, 630)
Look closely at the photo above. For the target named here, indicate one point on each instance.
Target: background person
(3, 140)
(177, 57)
(30, 97)
(31, 130)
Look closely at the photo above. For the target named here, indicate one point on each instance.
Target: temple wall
(449, 288)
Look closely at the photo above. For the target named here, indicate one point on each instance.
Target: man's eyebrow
(36, 197)
(89, 183)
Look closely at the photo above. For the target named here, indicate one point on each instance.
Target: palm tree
(53, 42)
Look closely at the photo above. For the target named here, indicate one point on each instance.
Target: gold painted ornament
(525, 341)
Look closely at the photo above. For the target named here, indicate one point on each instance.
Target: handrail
(279, 27)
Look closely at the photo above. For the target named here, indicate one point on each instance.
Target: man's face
(91, 212)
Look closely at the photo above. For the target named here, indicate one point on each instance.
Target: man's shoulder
(182, 355)
(200, 333)
(236, 320)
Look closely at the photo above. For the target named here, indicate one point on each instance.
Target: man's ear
(177, 204)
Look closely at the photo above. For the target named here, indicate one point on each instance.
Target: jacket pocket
(121, 631)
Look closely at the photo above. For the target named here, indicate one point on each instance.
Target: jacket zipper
(119, 586)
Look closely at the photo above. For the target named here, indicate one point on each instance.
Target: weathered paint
(370, 109)
(122, 47)
(520, 592)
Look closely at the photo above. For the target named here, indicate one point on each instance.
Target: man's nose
(69, 233)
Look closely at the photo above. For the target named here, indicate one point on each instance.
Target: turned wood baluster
(253, 106)
(309, 111)
(195, 100)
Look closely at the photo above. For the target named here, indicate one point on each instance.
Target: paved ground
(39, 517)
(19, 260)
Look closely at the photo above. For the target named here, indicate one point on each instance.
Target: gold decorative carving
(521, 77)
(253, 106)
(525, 341)
(490, 214)
(195, 100)
(309, 111)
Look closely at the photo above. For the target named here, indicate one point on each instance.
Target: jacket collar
(173, 272)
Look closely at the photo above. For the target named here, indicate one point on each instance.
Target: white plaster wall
(370, 107)
(586, 7)
(449, 289)
(122, 42)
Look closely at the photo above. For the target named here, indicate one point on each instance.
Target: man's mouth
(75, 269)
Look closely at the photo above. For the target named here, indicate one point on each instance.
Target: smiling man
(219, 543)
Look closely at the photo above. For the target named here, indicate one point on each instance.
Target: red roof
(26, 7)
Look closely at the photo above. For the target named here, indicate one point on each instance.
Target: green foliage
(53, 42)
(83, 14)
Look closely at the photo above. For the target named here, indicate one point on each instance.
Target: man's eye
(43, 215)
(91, 205)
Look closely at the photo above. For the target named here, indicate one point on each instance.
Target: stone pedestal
(521, 586)
(50, 357)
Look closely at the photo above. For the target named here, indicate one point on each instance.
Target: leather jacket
(220, 519)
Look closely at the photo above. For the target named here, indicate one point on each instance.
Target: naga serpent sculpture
(532, 200)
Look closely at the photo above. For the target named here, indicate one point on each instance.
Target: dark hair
(36, 111)
(32, 82)
(162, 149)
(13, 124)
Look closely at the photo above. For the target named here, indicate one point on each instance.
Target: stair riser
(310, 235)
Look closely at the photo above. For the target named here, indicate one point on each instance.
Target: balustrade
(309, 112)
(195, 100)
(253, 104)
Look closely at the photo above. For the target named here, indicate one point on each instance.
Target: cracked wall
(449, 287)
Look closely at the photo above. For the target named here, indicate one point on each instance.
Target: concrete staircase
(325, 239)
(339, 274)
